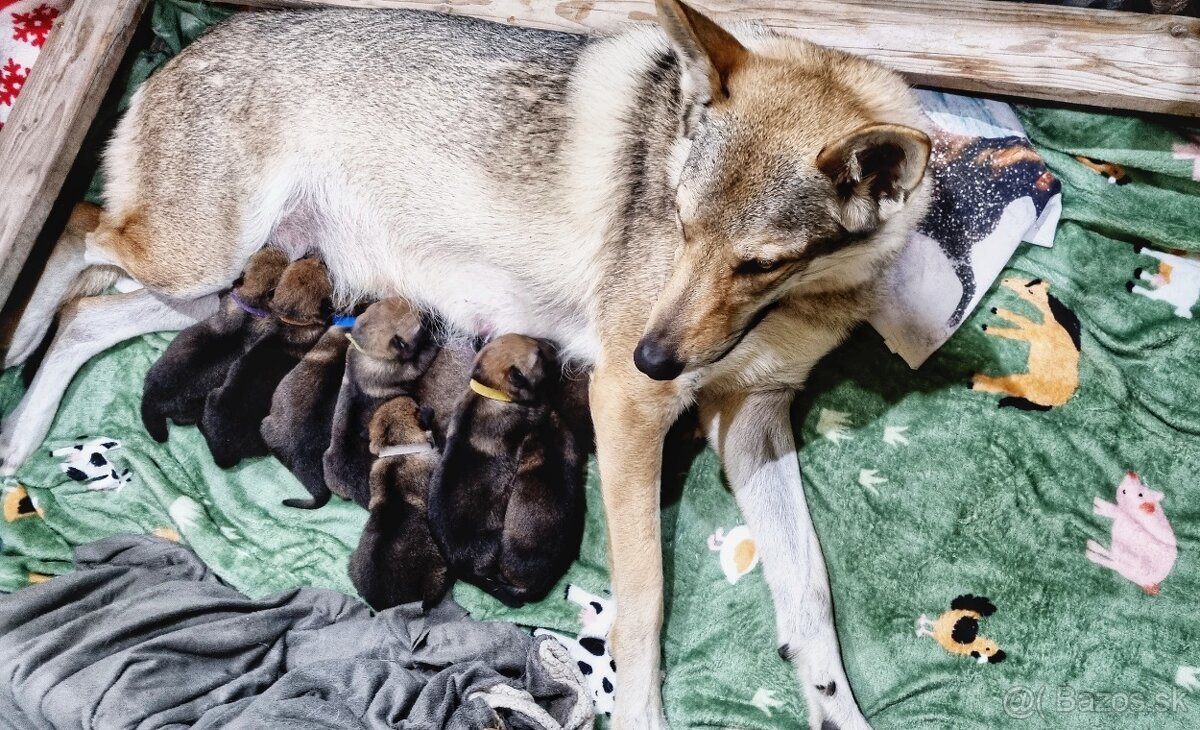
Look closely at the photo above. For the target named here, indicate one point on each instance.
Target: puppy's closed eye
(399, 344)
(518, 379)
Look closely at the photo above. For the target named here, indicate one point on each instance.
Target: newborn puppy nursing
(199, 358)
(506, 505)
(397, 560)
(297, 430)
(389, 350)
(234, 412)
(442, 385)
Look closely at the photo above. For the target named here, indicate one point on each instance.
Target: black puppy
(389, 350)
(397, 561)
(199, 358)
(506, 505)
(298, 428)
(233, 413)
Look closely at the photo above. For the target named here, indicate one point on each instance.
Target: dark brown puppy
(199, 358)
(390, 348)
(442, 385)
(234, 412)
(297, 430)
(397, 561)
(506, 505)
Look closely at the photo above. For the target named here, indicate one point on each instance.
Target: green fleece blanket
(983, 474)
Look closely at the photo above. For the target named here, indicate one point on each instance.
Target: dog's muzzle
(657, 360)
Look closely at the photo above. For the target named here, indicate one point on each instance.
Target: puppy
(298, 428)
(390, 348)
(199, 358)
(506, 505)
(233, 413)
(442, 385)
(397, 560)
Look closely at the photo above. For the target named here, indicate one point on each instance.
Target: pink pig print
(1143, 543)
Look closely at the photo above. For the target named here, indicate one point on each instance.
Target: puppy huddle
(471, 464)
(469, 468)
(220, 373)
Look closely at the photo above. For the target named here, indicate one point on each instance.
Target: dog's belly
(483, 276)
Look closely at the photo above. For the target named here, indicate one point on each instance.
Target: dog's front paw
(644, 721)
(18, 440)
(818, 665)
(829, 713)
(11, 456)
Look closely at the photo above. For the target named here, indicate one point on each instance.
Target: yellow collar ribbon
(492, 393)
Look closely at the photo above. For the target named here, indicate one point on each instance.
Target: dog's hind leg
(753, 434)
(89, 326)
(58, 282)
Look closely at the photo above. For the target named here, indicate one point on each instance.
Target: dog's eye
(759, 266)
(271, 293)
(399, 343)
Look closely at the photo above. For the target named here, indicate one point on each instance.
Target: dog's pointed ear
(709, 53)
(874, 169)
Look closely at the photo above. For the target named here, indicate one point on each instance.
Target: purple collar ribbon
(247, 308)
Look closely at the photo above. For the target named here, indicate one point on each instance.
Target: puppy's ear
(709, 55)
(873, 170)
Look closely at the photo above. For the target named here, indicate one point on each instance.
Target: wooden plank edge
(1102, 47)
(51, 117)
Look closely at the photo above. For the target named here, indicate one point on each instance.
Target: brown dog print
(1052, 373)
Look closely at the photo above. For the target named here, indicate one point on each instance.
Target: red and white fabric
(24, 25)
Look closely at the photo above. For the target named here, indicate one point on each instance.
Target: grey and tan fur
(397, 560)
(199, 358)
(234, 412)
(506, 505)
(390, 348)
(668, 201)
(297, 430)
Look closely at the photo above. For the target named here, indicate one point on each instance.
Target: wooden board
(41, 138)
(1085, 56)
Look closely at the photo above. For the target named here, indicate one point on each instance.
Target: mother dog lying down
(700, 215)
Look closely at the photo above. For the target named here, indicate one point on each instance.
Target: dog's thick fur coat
(507, 504)
(709, 209)
(198, 360)
(397, 560)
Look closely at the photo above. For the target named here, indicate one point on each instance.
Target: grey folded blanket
(142, 634)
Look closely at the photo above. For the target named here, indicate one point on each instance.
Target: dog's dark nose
(656, 360)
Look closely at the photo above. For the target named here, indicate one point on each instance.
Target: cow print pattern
(88, 462)
(590, 648)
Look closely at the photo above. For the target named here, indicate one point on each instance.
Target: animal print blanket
(1031, 490)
